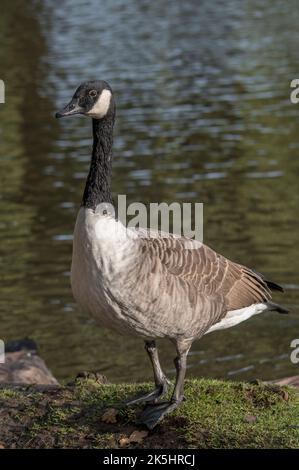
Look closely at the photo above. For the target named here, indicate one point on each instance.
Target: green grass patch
(216, 414)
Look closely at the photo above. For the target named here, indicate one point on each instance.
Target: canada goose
(151, 287)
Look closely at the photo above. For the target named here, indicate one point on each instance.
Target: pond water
(203, 114)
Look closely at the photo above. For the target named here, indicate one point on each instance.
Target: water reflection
(203, 115)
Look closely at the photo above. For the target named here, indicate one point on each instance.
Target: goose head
(93, 99)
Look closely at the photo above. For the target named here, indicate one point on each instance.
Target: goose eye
(93, 93)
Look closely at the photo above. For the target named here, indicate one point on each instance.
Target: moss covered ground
(89, 414)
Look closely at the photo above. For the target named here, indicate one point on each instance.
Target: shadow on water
(203, 115)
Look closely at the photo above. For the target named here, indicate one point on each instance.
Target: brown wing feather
(211, 274)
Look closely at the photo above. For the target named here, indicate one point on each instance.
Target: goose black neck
(98, 183)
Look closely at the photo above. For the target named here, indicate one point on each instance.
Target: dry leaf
(250, 419)
(110, 416)
(124, 441)
(138, 436)
(284, 395)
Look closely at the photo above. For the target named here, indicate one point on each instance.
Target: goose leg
(152, 415)
(161, 381)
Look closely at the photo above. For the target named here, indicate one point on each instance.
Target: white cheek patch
(100, 108)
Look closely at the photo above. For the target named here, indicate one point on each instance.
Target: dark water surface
(203, 115)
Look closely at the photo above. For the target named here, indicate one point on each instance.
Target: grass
(216, 414)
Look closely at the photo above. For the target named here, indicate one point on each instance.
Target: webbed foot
(153, 414)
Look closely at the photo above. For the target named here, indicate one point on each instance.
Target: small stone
(92, 375)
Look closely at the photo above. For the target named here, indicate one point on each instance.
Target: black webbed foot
(153, 414)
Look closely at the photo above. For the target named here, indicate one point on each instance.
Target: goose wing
(217, 280)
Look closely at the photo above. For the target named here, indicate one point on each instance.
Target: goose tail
(272, 307)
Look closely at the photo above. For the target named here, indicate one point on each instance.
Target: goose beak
(70, 109)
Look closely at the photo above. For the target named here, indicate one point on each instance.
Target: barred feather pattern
(156, 286)
(201, 285)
